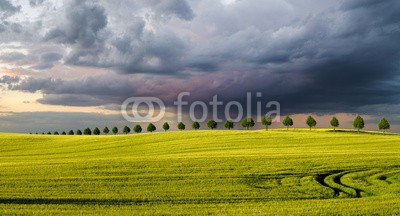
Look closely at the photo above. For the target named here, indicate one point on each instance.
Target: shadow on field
(80, 201)
(83, 201)
(362, 132)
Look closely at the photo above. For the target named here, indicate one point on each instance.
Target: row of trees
(358, 123)
(247, 123)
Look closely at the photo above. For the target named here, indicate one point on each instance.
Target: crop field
(201, 172)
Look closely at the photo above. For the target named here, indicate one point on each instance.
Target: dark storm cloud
(135, 49)
(334, 61)
(149, 53)
(81, 28)
(358, 68)
(318, 56)
(82, 24)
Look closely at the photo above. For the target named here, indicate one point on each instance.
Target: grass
(201, 172)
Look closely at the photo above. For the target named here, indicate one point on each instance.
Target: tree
(334, 123)
(266, 121)
(165, 126)
(212, 124)
(248, 123)
(288, 122)
(181, 126)
(87, 131)
(358, 123)
(151, 127)
(311, 122)
(229, 124)
(49, 133)
(96, 131)
(114, 130)
(196, 125)
(384, 125)
(63, 133)
(78, 132)
(56, 133)
(126, 130)
(106, 130)
(137, 129)
(71, 132)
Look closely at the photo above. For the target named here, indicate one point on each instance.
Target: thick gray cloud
(35, 3)
(9, 79)
(91, 91)
(74, 100)
(47, 60)
(312, 56)
(7, 9)
(81, 28)
(180, 8)
(12, 57)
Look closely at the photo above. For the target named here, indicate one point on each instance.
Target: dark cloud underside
(314, 56)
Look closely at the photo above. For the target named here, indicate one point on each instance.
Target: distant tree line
(247, 123)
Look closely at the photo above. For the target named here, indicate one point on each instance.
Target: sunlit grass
(220, 172)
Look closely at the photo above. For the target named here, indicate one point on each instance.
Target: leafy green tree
(181, 126)
(63, 133)
(335, 123)
(358, 123)
(229, 124)
(71, 132)
(266, 121)
(114, 130)
(288, 122)
(195, 125)
(212, 124)
(311, 122)
(151, 127)
(384, 125)
(165, 126)
(137, 129)
(96, 131)
(78, 132)
(106, 130)
(49, 133)
(248, 123)
(87, 131)
(56, 133)
(126, 130)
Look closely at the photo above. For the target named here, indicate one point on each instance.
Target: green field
(201, 172)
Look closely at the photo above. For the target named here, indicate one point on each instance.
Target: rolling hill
(200, 172)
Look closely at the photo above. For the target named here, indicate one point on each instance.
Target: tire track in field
(333, 180)
(321, 180)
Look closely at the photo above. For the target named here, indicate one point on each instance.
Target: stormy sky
(72, 63)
